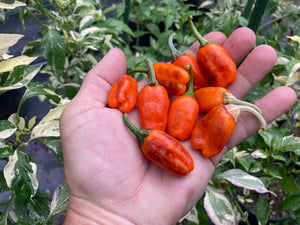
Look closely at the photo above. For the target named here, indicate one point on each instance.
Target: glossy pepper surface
(153, 104)
(182, 59)
(214, 59)
(162, 149)
(183, 113)
(209, 97)
(174, 78)
(123, 94)
(213, 131)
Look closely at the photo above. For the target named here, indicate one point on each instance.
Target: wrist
(84, 212)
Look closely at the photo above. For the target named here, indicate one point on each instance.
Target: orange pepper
(123, 94)
(182, 59)
(183, 113)
(213, 58)
(153, 103)
(213, 131)
(162, 149)
(172, 77)
(208, 97)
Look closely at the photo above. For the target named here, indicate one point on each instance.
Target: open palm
(110, 181)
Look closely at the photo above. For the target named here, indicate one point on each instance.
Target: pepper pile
(199, 86)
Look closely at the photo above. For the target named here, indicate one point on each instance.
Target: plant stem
(190, 91)
(248, 8)
(126, 17)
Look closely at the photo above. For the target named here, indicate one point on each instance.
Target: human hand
(109, 179)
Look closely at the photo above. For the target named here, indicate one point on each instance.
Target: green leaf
(19, 77)
(291, 202)
(120, 25)
(290, 143)
(53, 49)
(287, 183)
(6, 129)
(60, 201)
(3, 185)
(54, 144)
(33, 211)
(154, 29)
(20, 175)
(5, 149)
(262, 210)
(242, 179)
(218, 207)
(10, 64)
(62, 3)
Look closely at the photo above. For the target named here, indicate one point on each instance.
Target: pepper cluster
(199, 86)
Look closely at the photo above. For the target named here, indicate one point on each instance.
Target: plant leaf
(6, 129)
(290, 143)
(20, 175)
(218, 207)
(291, 202)
(242, 179)
(8, 40)
(10, 64)
(60, 200)
(54, 144)
(262, 210)
(53, 49)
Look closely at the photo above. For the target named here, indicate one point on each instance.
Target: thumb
(98, 81)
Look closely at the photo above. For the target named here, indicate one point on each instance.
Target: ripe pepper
(209, 97)
(183, 113)
(213, 131)
(182, 59)
(123, 94)
(213, 58)
(162, 149)
(172, 77)
(153, 103)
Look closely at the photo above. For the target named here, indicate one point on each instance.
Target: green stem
(257, 14)
(248, 8)
(277, 19)
(43, 26)
(190, 91)
(229, 98)
(235, 110)
(174, 52)
(200, 38)
(140, 134)
(126, 17)
(138, 70)
(153, 80)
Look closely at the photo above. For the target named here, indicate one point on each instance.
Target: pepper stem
(200, 38)
(235, 111)
(174, 52)
(153, 80)
(190, 91)
(229, 98)
(140, 134)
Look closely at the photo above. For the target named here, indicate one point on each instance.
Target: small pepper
(209, 97)
(162, 149)
(182, 59)
(123, 94)
(183, 113)
(172, 77)
(153, 103)
(213, 58)
(213, 131)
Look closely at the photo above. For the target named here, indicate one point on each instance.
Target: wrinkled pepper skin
(220, 68)
(153, 103)
(200, 79)
(123, 94)
(153, 106)
(172, 77)
(209, 97)
(183, 115)
(213, 131)
(168, 153)
(162, 149)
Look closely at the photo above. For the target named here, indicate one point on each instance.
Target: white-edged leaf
(290, 143)
(240, 178)
(10, 64)
(8, 40)
(11, 6)
(218, 207)
(49, 125)
(20, 175)
(60, 200)
(6, 129)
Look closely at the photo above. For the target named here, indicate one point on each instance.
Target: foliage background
(74, 35)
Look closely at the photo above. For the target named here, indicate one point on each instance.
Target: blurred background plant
(75, 35)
